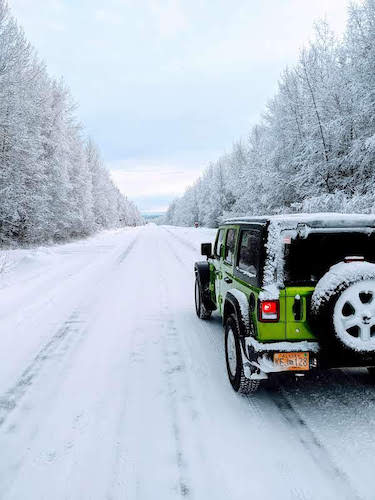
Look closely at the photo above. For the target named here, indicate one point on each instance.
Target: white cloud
(108, 16)
(169, 17)
(153, 179)
(152, 186)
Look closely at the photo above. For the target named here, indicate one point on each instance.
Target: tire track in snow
(311, 442)
(178, 385)
(127, 251)
(61, 341)
(72, 330)
(175, 367)
(201, 465)
(188, 245)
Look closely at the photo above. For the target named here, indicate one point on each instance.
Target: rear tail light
(269, 311)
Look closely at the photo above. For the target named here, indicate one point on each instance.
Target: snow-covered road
(111, 388)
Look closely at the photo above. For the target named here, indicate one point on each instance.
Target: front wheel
(200, 308)
(234, 360)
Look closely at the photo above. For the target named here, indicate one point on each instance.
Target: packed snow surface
(112, 388)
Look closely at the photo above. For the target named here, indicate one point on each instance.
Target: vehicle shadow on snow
(348, 380)
(321, 410)
(349, 392)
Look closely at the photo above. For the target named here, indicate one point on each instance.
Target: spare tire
(343, 307)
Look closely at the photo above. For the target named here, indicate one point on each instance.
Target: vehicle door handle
(227, 280)
(297, 308)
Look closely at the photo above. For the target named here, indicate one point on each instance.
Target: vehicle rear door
(298, 256)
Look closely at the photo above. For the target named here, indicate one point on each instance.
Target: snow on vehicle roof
(336, 220)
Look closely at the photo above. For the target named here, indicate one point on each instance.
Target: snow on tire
(234, 359)
(343, 306)
(200, 308)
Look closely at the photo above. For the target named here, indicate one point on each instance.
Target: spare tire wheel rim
(232, 352)
(354, 315)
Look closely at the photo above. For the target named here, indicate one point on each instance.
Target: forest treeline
(314, 149)
(53, 184)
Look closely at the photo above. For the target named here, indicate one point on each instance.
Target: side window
(218, 242)
(249, 253)
(230, 245)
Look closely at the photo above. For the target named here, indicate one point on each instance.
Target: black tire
(200, 309)
(237, 379)
(322, 320)
(371, 372)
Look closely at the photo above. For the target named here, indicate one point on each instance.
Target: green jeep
(295, 293)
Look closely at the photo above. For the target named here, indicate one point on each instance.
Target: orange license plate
(292, 360)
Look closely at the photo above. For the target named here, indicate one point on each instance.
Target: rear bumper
(259, 362)
(258, 357)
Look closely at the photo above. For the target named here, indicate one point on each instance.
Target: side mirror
(206, 249)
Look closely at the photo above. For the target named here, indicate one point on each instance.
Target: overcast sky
(165, 86)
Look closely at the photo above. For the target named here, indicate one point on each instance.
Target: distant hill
(152, 216)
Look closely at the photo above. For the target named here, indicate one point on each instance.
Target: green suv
(295, 292)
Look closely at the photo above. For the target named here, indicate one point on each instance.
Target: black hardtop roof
(317, 220)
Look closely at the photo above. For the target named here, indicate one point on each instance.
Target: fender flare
(237, 302)
(202, 273)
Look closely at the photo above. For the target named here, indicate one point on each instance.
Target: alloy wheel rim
(354, 314)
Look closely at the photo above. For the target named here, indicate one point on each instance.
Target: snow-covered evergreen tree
(53, 185)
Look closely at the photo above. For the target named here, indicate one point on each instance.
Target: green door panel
(264, 331)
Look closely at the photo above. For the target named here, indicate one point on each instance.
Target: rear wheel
(234, 360)
(200, 309)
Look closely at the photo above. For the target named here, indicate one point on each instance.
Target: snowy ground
(111, 388)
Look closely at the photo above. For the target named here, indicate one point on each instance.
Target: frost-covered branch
(314, 149)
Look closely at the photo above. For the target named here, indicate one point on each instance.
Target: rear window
(307, 260)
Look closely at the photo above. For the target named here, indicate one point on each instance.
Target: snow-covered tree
(314, 149)
(53, 184)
